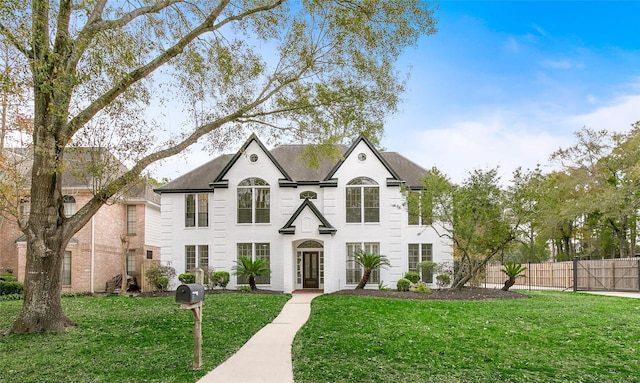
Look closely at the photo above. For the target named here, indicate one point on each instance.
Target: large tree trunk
(42, 309)
(46, 243)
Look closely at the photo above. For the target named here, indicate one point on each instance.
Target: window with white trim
(69, 204)
(254, 201)
(255, 251)
(420, 252)
(196, 210)
(196, 256)
(354, 269)
(131, 219)
(66, 269)
(362, 200)
(131, 262)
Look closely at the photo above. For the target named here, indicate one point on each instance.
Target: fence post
(575, 274)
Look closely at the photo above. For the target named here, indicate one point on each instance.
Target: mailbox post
(190, 296)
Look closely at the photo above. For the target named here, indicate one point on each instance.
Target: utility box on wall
(190, 293)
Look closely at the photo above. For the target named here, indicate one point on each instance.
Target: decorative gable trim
(219, 180)
(324, 227)
(395, 177)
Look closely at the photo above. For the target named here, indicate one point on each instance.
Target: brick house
(305, 222)
(96, 252)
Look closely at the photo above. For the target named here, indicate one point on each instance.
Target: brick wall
(97, 246)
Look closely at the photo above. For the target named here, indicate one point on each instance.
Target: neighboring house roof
(289, 160)
(85, 168)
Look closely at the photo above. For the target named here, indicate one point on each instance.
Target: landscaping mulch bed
(466, 293)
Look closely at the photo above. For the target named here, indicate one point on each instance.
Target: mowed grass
(122, 339)
(550, 337)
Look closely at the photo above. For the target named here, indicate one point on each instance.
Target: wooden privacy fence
(620, 274)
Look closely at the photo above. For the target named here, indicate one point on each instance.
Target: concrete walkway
(266, 357)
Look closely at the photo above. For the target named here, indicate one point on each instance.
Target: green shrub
(8, 277)
(11, 297)
(10, 287)
(412, 276)
(423, 288)
(382, 287)
(162, 283)
(187, 278)
(159, 276)
(403, 284)
(245, 289)
(221, 278)
(443, 280)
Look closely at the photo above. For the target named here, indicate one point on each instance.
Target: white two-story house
(305, 221)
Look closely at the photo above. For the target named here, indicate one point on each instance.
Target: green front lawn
(122, 339)
(551, 337)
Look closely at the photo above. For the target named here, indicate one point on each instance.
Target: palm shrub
(370, 262)
(513, 271)
(251, 269)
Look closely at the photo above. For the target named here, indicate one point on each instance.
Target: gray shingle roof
(289, 158)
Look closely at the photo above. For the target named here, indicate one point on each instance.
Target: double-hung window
(131, 219)
(362, 200)
(196, 256)
(420, 252)
(254, 201)
(354, 269)
(196, 210)
(255, 251)
(66, 269)
(418, 211)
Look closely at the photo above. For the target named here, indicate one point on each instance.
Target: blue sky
(506, 83)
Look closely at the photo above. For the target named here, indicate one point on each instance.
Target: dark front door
(310, 274)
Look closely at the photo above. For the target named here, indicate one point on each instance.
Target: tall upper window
(196, 210)
(253, 201)
(131, 219)
(69, 204)
(417, 209)
(354, 269)
(420, 252)
(363, 200)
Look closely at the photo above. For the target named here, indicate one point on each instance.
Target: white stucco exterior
(295, 221)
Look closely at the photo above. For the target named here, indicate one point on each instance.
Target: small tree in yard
(369, 262)
(513, 271)
(246, 267)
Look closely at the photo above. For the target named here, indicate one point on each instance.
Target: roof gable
(219, 181)
(395, 179)
(323, 228)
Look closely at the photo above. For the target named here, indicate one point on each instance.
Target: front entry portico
(310, 264)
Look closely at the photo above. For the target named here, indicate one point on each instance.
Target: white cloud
(618, 115)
